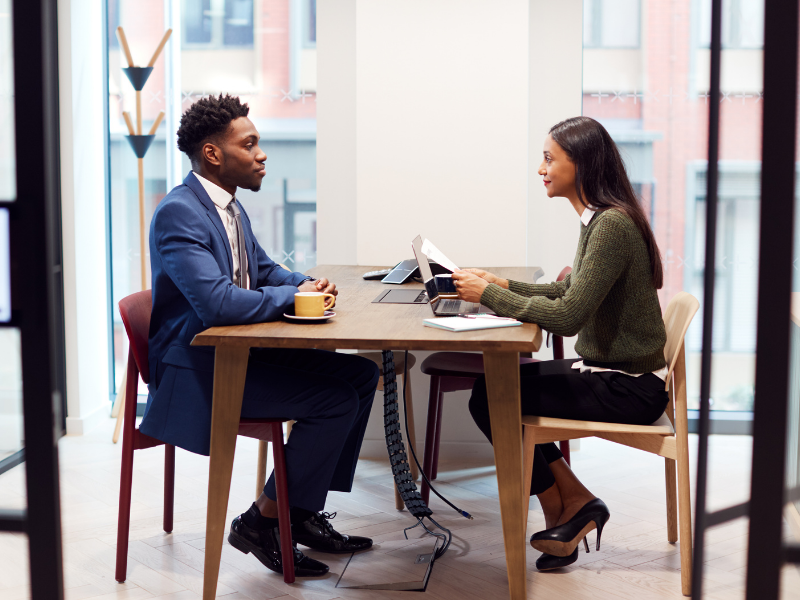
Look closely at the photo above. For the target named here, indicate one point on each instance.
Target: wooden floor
(635, 561)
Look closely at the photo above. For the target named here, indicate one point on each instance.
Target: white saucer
(328, 314)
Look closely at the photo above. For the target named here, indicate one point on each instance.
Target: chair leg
(120, 406)
(430, 434)
(439, 408)
(564, 447)
(670, 472)
(412, 436)
(261, 468)
(169, 486)
(685, 517)
(684, 478)
(125, 484)
(528, 447)
(282, 493)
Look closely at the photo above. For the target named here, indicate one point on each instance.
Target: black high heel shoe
(548, 562)
(562, 540)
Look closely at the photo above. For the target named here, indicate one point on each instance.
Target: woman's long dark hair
(600, 176)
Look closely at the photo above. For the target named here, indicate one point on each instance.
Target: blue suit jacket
(191, 262)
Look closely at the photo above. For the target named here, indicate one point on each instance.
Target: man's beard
(255, 188)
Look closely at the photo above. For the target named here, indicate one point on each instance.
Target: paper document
(467, 324)
(432, 252)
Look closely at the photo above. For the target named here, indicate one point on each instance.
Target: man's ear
(211, 154)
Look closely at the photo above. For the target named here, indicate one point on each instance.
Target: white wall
(83, 175)
(431, 118)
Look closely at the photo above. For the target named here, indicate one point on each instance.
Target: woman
(610, 301)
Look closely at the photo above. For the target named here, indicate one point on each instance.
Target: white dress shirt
(221, 199)
(662, 373)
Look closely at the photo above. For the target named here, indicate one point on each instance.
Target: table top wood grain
(360, 324)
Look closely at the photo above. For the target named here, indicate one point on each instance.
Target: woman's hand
(469, 286)
(489, 277)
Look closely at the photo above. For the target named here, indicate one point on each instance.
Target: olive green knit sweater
(608, 300)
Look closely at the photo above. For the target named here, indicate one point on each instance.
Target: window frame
(597, 29)
(217, 30)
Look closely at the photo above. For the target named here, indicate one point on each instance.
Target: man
(203, 278)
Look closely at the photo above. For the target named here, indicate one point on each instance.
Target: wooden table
(359, 324)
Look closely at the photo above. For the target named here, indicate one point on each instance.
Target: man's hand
(469, 286)
(325, 286)
(489, 277)
(320, 285)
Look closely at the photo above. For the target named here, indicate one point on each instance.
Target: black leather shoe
(548, 562)
(266, 547)
(563, 539)
(317, 533)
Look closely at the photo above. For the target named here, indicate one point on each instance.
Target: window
(656, 109)
(217, 23)
(310, 37)
(742, 24)
(611, 23)
(216, 56)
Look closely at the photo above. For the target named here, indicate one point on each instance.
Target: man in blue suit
(208, 269)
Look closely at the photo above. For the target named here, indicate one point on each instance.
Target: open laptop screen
(422, 260)
(425, 272)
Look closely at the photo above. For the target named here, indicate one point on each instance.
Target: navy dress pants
(554, 389)
(329, 395)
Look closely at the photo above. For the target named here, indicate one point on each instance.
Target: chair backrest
(679, 314)
(135, 312)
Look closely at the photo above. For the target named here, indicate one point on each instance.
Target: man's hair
(206, 120)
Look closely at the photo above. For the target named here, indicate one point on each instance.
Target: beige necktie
(240, 269)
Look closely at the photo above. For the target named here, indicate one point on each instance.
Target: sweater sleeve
(552, 290)
(605, 259)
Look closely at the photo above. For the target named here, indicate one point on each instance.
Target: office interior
(383, 120)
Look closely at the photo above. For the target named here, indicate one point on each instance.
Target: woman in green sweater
(610, 301)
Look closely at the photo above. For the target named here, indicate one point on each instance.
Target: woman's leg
(554, 389)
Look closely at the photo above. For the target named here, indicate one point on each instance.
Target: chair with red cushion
(135, 311)
(453, 372)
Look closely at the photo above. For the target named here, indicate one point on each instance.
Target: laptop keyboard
(451, 305)
(421, 298)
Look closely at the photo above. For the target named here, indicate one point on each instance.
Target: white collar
(586, 216)
(218, 196)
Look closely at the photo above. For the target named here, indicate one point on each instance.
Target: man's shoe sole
(328, 551)
(246, 547)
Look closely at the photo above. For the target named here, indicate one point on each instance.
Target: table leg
(230, 368)
(502, 381)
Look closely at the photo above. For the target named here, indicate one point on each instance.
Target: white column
(83, 205)
(336, 132)
(431, 117)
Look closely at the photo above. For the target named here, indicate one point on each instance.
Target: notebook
(468, 324)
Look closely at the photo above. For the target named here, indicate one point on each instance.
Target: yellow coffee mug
(311, 304)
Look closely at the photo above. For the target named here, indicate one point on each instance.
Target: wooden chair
(667, 437)
(452, 372)
(135, 311)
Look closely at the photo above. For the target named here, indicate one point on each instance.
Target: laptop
(442, 307)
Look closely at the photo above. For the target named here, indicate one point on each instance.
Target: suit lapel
(211, 210)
